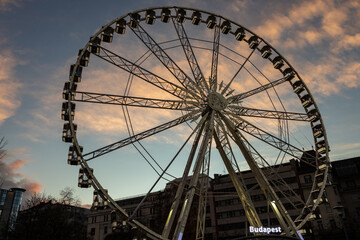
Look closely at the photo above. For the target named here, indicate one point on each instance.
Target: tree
(46, 217)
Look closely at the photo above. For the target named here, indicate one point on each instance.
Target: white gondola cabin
(66, 134)
(120, 26)
(180, 15)
(211, 21)
(150, 16)
(84, 180)
(196, 18)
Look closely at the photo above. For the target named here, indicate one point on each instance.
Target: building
(337, 215)
(51, 220)
(10, 201)
(231, 221)
(346, 185)
(152, 213)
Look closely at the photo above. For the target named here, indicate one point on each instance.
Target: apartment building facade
(225, 217)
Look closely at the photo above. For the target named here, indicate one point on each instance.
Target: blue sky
(39, 40)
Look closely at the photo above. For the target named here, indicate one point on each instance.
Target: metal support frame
(179, 230)
(180, 189)
(253, 112)
(132, 101)
(280, 212)
(215, 58)
(268, 138)
(246, 202)
(144, 74)
(239, 97)
(190, 56)
(164, 58)
(139, 136)
(204, 185)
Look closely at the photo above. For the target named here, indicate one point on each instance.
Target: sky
(40, 39)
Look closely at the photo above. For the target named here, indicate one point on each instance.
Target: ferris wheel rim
(97, 185)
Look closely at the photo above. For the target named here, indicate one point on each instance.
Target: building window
(350, 184)
(320, 225)
(139, 213)
(105, 230)
(208, 222)
(335, 190)
(307, 179)
(358, 211)
(106, 218)
(332, 223)
(93, 220)
(92, 231)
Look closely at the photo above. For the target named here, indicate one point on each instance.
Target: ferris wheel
(209, 87)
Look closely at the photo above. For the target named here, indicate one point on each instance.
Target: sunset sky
(40, 39)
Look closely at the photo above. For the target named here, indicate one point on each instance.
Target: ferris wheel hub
(217, 101)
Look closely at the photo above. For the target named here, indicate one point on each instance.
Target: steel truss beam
(238, 71)
(142, 73)
(215, 58)
(190, 56)
(104, 98)
(165, 59)
(276, 182)
(253, 112)
(204, 185)
(180, 189)
(237, 98)
(208, 132)
(137, 137)
(267, 137)
(246, 202)
(280, 212)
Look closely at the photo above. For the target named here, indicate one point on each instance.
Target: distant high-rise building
(10, 201)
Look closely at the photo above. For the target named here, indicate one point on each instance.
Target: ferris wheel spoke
(165, 59)
(237, 98)
(272, 175)
(215, 58)
(225, 143)
(238, 71)
(260, 113)
(143, 74)
(104, 98)
(199, 127)
(268, 138)
(137, 137)
(190, 56)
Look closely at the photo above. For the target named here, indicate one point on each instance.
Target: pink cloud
(8, 86)
(17, 164)
(350, 76)
(12, 176)
(6, 5)
(350, 41)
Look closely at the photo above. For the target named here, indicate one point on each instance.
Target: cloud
(11, 174)
(349, 42)
(341, 151)
(9, 86)
(7, 5)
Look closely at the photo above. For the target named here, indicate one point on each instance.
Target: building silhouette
(336, 217)
(51, 220)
